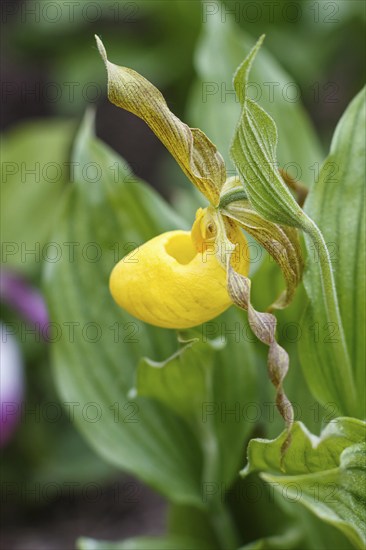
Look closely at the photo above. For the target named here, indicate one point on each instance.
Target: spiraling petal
(191, 148)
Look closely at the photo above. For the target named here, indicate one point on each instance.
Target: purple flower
(11, 384)
(29, 304)
(20, 296)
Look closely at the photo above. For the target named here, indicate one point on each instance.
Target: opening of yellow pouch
(180, 247)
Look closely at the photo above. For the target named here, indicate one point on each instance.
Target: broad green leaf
(187, 385)
(214, 107)
(183, 381)
(142, 543)
(95, 367)
(35, 169)
(325, 474)
(208, 382)
(337, 205)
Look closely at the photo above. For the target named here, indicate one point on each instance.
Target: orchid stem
(223, 523)
(221, 520)
(332, 306)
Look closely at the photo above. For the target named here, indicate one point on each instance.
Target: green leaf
(142, 543)
(317, 533)
(35, 170)
(187, 385)
(183, 381)
(214, 108)
(110, 216)
(337, 205)
(160, 448)
(207, 382)
(325, 474)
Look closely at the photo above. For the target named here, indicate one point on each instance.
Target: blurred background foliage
(52, 73)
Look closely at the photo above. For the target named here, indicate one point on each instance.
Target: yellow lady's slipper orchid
(175, 280)
(182, 279)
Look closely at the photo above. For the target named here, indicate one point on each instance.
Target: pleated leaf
(34, 173)
(183, 381)
(95, 367)
(337, 204)
(326, 474)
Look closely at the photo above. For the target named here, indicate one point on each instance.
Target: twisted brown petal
(263, 326)
(191, 148)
